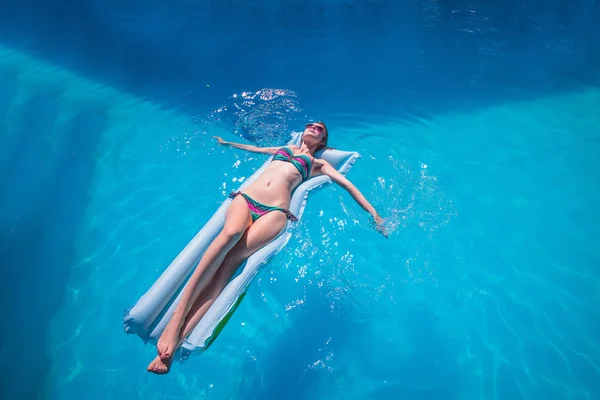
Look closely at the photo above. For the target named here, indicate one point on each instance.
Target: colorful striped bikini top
(301, 162)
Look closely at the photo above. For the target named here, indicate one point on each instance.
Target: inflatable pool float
(151, 312)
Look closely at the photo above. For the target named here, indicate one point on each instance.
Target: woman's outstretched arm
(248, 147)
(326, 169)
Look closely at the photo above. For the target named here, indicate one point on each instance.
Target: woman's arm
(326, 169)
(248, 147)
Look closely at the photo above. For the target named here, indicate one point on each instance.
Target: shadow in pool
(425, 366)
(411, 60)
(44, 197)
(292, 367)
(329, 354)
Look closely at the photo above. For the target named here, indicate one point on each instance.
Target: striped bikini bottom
(258, 209)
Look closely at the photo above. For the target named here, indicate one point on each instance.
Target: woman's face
(315, 130)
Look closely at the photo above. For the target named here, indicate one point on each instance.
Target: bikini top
(301, 162)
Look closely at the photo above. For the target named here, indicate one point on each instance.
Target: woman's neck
(304, 148)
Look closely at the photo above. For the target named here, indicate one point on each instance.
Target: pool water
(479, 135)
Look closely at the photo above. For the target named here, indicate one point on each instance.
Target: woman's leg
(264, 230)
(237, 220)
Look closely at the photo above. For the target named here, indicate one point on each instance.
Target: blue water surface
(479, 132)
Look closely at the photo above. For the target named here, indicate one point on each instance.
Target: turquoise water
(487, 288)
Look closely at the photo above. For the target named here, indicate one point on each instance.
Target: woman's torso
(275, 185)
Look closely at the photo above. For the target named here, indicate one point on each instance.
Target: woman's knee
(231, 234)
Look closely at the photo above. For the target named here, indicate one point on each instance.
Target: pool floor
(485, 289)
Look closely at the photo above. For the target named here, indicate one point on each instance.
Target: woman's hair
(325, 137)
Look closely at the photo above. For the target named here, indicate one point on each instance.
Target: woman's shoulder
(320, 162)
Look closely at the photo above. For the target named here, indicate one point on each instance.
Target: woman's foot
(167, 342)
(159, 366)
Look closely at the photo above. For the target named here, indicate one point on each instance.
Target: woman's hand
(379, 225)
(220, 140)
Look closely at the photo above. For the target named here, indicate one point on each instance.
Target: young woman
(253, 219)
